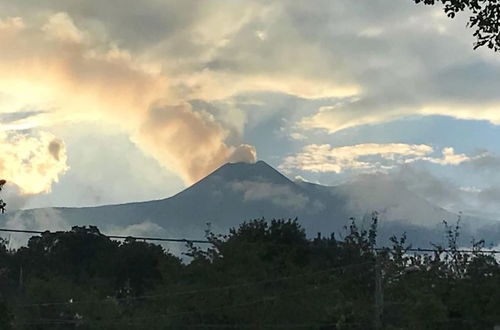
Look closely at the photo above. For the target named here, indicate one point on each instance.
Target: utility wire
(176, 240)
(200, 325)
(187, 292)
(199, 241)
(440, 250)
(167, 316)
(184, 240)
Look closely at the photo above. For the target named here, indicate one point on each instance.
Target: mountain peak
(258, 171)
(231, 173)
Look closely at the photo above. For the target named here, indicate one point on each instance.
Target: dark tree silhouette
(484, 18)
(2, 203)
(262, 274)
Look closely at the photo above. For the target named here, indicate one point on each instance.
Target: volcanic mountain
(238, 192)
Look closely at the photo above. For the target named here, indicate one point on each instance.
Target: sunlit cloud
(207, 85)
(190, 141)
(366, 157)
(357, 112)
(449, 158)
(32, 163)
(74, 76)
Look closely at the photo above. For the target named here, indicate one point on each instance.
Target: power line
(187, 292)
(167, 316)
(175, 240)
(440, 250)
(199, 325)
(246, 304)
(200, 241)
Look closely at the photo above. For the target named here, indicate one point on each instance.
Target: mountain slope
(238, 192)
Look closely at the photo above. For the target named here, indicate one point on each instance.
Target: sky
(121, 100)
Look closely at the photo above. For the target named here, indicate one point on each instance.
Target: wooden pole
(379, 295)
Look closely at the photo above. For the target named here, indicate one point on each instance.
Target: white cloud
(143, 229)
(38, 219)
(60, 26)
(449, 158)
(365, 157)
(151, 229)
(280, 195)
(369, 111)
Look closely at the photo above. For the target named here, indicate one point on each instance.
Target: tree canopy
(260, 275)
(484, 18)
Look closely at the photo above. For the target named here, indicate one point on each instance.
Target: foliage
(2, 203)
(484, 18)
(261, 274)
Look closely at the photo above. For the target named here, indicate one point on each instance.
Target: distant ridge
(238, 192)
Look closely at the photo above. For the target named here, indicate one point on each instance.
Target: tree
(2, 204)
(262, 274)
(484, 18)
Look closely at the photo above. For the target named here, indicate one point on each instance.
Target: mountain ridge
(237, 192)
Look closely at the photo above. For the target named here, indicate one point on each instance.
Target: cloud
(146, 228)
(449, 158)
(11, 24)
(277, 194)
(32, 162)
(484, 195)
(439, 190)
(14, 198)
(376, 110)
(55, 148)
(74, 75)
(356, 63)
(38, 219)
(191, 142)
(364, 51)
(206, 85)
(485, 162)
(442, 190)
(365, 157)
(61, 27)
(151, 229)
(396, 197)
(16, 116)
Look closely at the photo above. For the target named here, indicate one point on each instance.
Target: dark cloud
(441, 191)
(55, 147)
(490, 195)
(485, 162)
(10, 117)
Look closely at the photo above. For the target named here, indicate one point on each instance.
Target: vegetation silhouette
(262, 274)
(2, 203)
(484, 18)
